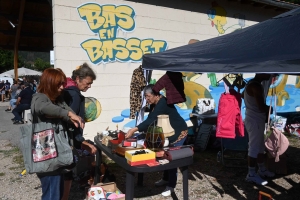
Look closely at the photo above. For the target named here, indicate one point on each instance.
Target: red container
(129, 143)
(142, 162)
(121, 137)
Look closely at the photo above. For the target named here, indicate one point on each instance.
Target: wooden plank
(21, 12)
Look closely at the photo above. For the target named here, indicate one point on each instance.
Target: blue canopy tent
(271, 46)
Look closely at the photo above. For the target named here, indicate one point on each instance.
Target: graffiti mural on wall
(218, 17)
(287, 95)
(105, 21)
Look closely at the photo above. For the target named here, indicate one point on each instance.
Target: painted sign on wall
(105, 21)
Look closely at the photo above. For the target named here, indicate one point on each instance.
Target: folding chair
(233, 149)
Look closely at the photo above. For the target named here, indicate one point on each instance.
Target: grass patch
(2, 174)
(16, 180)
(18, 159)
(10, 152)
(17, 156)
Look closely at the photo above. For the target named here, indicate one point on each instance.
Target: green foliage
(40, 64)
(7, 60)
(31, 60)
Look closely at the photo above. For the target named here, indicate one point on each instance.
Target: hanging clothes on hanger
(141, 112)
(230, 122)
(173, 83)
(138, 82)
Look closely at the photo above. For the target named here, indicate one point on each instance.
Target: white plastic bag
(279, 122)
(205, 106)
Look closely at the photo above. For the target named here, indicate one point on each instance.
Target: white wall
(175, 26)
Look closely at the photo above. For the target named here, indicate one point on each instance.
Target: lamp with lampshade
(157, 135)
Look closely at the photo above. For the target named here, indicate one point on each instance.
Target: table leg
(140, 179)
(185, 182)
(98, 165)
(129, 185)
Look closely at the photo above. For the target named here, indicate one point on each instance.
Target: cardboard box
(140, 157)
(111, 187)
(143, 162)
(276, 167)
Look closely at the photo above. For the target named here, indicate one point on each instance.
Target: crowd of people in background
(19, 95)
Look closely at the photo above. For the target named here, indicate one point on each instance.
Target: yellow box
(140, 157)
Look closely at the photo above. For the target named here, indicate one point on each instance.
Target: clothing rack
(241, 80)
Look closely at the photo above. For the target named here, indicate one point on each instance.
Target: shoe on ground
(13, 120)
(18, 122)
(266, 174)
(8, 110)
(167, 192)
(256, 179)
(161, 182)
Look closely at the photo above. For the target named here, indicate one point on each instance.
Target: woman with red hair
(46, 105)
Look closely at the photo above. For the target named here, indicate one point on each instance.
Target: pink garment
(230, 122)
(70, 83)
(276, 143)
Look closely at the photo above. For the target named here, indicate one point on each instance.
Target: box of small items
(139, 157)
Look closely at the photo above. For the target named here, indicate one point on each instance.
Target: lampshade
(164, 122)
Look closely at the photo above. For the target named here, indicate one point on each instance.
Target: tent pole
(17, 39)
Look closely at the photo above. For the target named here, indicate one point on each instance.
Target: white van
(11, 80)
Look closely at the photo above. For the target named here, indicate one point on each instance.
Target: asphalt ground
(8, 130)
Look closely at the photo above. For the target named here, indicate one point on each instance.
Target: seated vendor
(178, 124)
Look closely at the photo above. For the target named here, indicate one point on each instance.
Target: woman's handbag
(45, 147)
(276, 143)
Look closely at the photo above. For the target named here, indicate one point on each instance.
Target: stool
(27, 115)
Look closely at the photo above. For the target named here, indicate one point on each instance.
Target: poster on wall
(105, 21)
(51, 57)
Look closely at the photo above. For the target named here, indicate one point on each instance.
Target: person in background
(178, 124)
(13, 89)
(24, 80)
(34, 86)
(23, 103)
(81, 81)
(7, 89)
(2, 90)
(12, 102)
(256, 111)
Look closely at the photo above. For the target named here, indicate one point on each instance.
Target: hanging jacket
(137, 85)
(230, 122)
(173, 83)
(75, 100)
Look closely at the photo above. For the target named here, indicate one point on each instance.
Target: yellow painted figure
(217, 16)
(193, 90)
(277, 87)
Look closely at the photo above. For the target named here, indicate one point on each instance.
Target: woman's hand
(89, 147)
(76, 120)
(131, 132)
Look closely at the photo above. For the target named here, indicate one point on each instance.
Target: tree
(7, 60)
(41, 65)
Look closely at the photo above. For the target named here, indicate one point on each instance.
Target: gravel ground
(208, 179)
